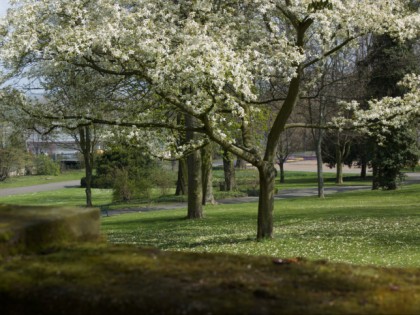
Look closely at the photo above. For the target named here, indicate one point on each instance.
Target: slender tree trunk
(181, 183)
(195, 190)
(246, 138)
(85, 145)
(363, 170)
(319, 165)
(281, 165)
(229, 171)
(266, 169)
(375, 181)
(267, 174)
(207, 174)
(339, 166)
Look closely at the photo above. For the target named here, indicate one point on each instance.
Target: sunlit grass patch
(29, 180)
(61, 197)
(380, 228)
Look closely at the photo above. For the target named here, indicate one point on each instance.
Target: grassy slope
(380, 228)
(369, 227)
(111, 280)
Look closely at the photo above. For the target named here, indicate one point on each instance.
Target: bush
(44, 165)
(103, 182)
(126, 188)
(162, 179)
(131, 174)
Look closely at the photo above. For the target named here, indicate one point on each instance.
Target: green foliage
(11, 159)
(399, 151)
(386, 64)
(319, 5)
(131, 173)
(13, 155)
(44, 165)
(389, 61)
(162, 179)
(128, 187)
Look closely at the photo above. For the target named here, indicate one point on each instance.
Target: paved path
(39, 188)
(412, 178)
(283, 194)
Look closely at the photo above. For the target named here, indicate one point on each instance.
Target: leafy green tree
(387, 62)
(204, 59)
(13, 155)
(397, 151)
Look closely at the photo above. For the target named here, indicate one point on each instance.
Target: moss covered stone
(102, 279)
(35, 229)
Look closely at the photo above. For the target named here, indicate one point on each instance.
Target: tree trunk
(85, 146)
(241, 164)
(246, 138)
(267, 173)
(363, 170)
(319, 165)
(281, 165)
(195, 190)
(207, 174)
(339, 166)
(375, 181)
(229, 171)
(181, 183)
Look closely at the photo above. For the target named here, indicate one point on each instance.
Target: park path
(282, 194)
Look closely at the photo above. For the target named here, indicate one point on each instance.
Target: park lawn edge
(107, 279)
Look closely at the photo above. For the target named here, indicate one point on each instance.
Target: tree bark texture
(339, 166)
(281, 166)
(266, 169)
(375, 181)
(229, 171)
(267, 174)
(319, 165)
(363, 169)
(207, 174)
(195, 190)
(181, 183)
(86, 148)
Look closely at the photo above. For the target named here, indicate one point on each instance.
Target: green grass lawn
(62, 197)
(205, 261)
(369, 227)
(248, 178)
(22, 181)
(380, 228)
(309, 179)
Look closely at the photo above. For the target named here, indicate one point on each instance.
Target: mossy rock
(36, 229)
(108, 279)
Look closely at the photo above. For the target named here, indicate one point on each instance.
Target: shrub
(162, 179)
(130, 173)
(44, 165)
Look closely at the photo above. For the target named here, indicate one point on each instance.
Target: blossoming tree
(205, 59)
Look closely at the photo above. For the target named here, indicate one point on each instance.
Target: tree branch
(330, 52)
